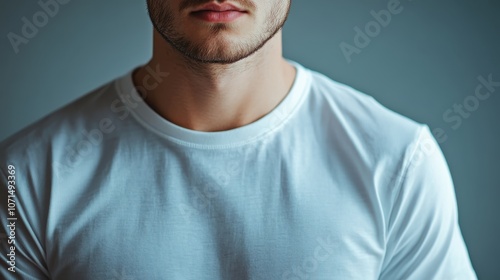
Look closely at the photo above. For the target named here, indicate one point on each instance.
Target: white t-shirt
(329, 185)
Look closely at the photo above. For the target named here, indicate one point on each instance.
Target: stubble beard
(221, 52)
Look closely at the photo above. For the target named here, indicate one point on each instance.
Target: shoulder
(357, 116)
(48, 139)
(373, 141)
(362, 110)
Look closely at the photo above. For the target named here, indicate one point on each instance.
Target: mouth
(213, 12)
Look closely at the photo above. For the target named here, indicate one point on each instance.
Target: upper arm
(423, 236)
(22, 249)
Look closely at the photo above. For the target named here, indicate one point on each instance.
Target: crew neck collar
(221, 139)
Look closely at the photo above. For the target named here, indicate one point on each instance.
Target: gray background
(425, 60)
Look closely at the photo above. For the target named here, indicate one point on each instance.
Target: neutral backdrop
(427, 58)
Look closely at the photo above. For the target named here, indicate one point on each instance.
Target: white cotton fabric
(329, 185)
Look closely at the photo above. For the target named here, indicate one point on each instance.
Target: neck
(214, 97)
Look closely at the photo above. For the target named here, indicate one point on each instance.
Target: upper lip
(218, 7)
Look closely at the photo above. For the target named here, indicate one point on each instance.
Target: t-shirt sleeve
(22, 250)
(423, 238)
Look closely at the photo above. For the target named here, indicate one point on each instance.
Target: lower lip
(215, 16)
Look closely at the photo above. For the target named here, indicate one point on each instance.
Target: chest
(226, 220)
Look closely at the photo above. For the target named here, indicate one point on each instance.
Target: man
(219, 159)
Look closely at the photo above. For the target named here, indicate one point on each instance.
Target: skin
(220, 75)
